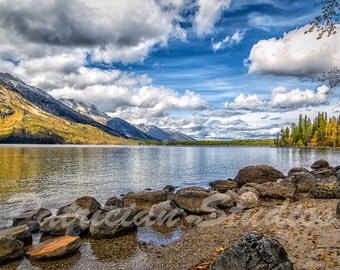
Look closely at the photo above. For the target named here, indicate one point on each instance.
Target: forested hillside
(322, 131)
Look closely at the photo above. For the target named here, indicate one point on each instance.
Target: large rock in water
(257, 174)
(110, 224)
(253, 251)
(57, 225)
(32, 215)
(54, 248)
(85, 206)
(319, 164)
(326, 189)
(144, 200)
(10, 249)
(281, 189)
(222, 185)
(21, 233)
(191, 199)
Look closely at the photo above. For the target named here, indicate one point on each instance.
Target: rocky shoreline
(260, 211)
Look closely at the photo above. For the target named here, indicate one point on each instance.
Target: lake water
(56, 175)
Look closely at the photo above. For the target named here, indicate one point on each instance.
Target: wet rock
(144, 200)
(113, 203)
(21, 233)
(57, 225)
(222, 185)
(54, 248)
(73, 230)
(10, 249)
(248, 200)
(169, 188)
(281, 189)
(257, 174)
(113, 223)
(33, 225)
(32, 215)
(324, 173)
(328, 188)
(338, 210)
(305, 181)
(253, 251)
(191, 199)
(297, 170)
(319, 164)
(164, 208)
(85, 206)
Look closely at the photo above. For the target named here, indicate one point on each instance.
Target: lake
(53, 176)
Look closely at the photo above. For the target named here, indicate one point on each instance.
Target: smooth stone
(54, 248)
(248, 200)
(57, 225)
(246, 188)
(10, 249)
(320, 164)
(220, 200)
(193, 219)
(113, 223)
(33, 225)
(144, 200)
(191, 199)
(32, 215)
(85, 206)
(222, 185)
(257, 174)
(253, 251)
(21, 233)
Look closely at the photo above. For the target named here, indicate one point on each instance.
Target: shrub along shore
(254, 189)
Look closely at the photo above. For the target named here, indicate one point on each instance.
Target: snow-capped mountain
(90, 110)
(127, 129)
(166, 135)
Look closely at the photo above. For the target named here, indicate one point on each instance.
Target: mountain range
(30, 115)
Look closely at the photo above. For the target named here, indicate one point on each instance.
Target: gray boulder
(58, 225)
(297, 170)
(10, 249)
(144, 200)
(85, 206)
(21, 233)
(191, 199)
(324, 173)
(248, 200)
(164, 208)
(257, 174)
(281, 189)
(253, 251)
(32, 215)
(113, 223)
(113, 203)
(305, 181)
(33, 225)
(328, 188)
(73, 230)
(222, 185)
(319, 164)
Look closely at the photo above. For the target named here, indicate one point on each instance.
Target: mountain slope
(165, 135)
(127, 129)
(89, 110)
(23, 122)
(49, 104)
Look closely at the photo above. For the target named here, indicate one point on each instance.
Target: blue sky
(214, 69)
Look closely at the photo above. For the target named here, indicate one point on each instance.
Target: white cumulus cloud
(295, 54)
(244, 102)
